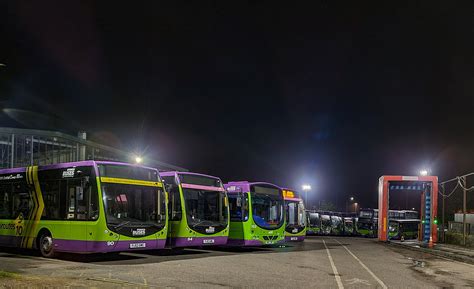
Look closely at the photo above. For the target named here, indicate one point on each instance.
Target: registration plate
(137, 245)
(294, 238)
(208, 241)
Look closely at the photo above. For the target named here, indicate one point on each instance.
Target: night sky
(331, 94)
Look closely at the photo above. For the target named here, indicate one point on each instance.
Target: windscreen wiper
(202, 222)
(122, 224)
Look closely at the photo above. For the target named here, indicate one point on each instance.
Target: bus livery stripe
(35, 213)
(39, 208)
(130, 182)
(27, 220)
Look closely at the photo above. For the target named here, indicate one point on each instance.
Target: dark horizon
(326, 94)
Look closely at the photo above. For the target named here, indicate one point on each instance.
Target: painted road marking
(354, 281)
(334, 269)
(363, 265)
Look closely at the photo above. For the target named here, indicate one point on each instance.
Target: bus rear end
(257, 214)
(295, 229)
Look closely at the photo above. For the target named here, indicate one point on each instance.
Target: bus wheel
(46, 245)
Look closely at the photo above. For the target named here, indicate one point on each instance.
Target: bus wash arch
(427, 187)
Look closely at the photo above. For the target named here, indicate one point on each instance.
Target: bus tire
(45, 244)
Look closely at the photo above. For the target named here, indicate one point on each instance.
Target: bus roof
(194, 185)
(173, 173)
(244, 186)
(71, 164)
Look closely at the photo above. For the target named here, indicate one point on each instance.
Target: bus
(367, 222)
(326, 225)
(337, 225)
(313, 223)
(295, 229)
(256, 214)
(348, 226)
(403, 225)
(82, 207)
(198, 210)
(403, 229)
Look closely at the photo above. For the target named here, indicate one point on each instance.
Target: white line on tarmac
(363, 265)
(334, 269)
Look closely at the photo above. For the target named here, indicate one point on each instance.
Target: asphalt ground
(318, 262)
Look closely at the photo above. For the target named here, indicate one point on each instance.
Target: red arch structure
(429, 196)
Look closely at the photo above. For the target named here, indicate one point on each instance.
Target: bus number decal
(110, 243)
(19, 230)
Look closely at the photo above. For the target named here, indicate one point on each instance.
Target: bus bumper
(76, 246)
(294, 238)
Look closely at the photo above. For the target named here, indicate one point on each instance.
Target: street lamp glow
(138, 160)
(306, 187)
(351, 198)
(424, 172)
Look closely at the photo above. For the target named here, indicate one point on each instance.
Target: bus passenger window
(5, 204)
(71, 202)
(235, 207)
(175, 204)
(93, 204)
(238, 206)
(77, 208)
(22, 203)
(52, 200)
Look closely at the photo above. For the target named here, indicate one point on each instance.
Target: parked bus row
(403, 224)
(331, 223)
(100, 207)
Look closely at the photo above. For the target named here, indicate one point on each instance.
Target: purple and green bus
(295, 229)
(198, 210)
(256, 214)
(82, 207)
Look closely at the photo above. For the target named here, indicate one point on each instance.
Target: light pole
(305, 189)
(351, 199)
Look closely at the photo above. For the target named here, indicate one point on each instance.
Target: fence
(456, 205)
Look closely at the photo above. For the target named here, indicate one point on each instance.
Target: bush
(456, 239)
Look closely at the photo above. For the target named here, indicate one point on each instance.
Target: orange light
(288, 194)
